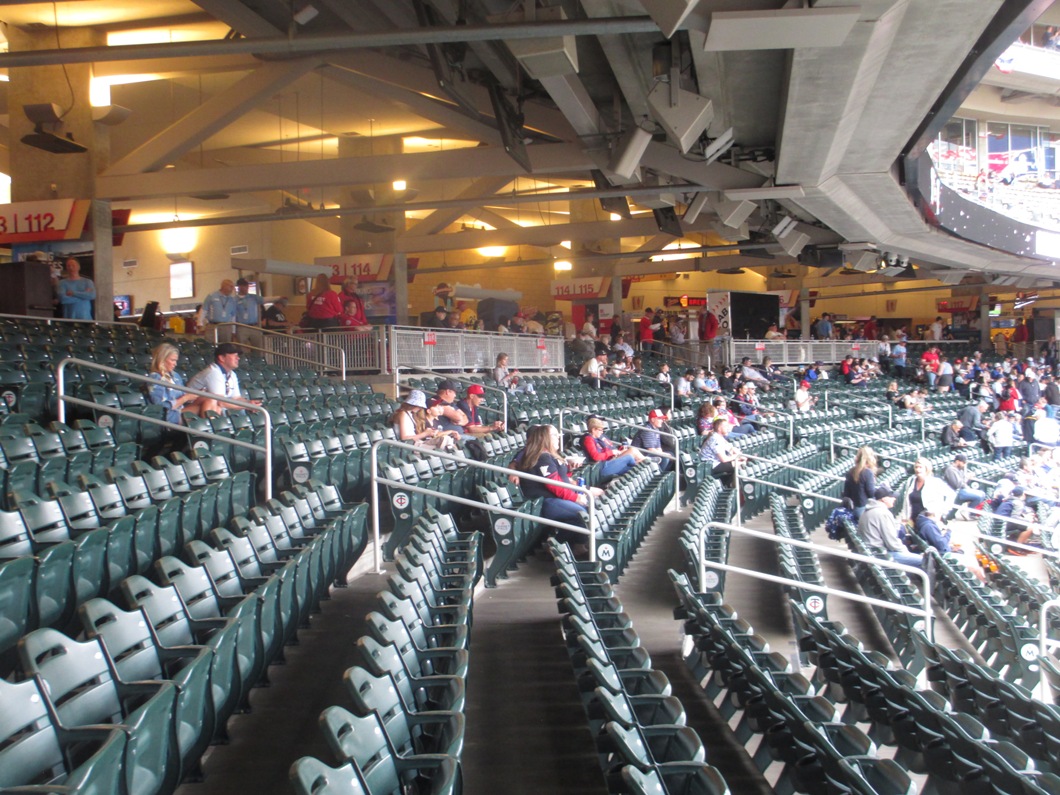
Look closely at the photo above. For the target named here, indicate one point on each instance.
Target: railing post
(736, 485)
(60, 382)
(377, 552)
(1044, 642)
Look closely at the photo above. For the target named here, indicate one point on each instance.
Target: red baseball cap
(656, 414)
(476, 389)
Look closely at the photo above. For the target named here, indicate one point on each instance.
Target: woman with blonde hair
(164, 360)
(860, 483)
(323, 308)
(615, 460)
(926, 492)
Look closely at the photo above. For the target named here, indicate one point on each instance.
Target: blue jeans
(614, 467)
(908, 558)
(1002, 452)
(967, 496)
(568, 511)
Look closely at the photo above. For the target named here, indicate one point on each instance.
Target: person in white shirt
(677, 332)
(664, 374)
(1046, 429)
(593, 370)
(935, 331)
(219, 379)
(804, 401)
(773, 333)
(622, 345)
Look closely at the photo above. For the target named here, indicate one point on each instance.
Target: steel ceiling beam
(304, 45)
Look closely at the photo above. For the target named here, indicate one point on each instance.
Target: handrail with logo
(1044, 641)
(377, 480)
(60, 382)
(926, 612)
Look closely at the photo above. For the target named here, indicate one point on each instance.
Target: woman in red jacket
(323, 307)
(616, 460)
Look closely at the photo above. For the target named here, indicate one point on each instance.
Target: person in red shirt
(616, 460)
(323, 307)
(870, 329)
(930, 362)
(353, 306)
(708, 326)
(647, 333)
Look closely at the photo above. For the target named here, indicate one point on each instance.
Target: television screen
(995, 310)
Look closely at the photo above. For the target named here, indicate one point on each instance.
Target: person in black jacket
(860, 483)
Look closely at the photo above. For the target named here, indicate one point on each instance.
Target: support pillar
(986, 343)
(804, 313)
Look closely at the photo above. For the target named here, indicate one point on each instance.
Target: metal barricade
(288, 350)
(797, 352)
(449, 349)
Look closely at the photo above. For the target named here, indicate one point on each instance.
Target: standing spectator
(708, 326)
(164, 360)
(824, 327)
(898, 357)
(860, 482)
(219, 379)
(589, 326)
(248, 313)
(647, 330)
(871, 329)
(935, 330)
(220, 306)
(659, 333)
(275, 317)
(323, 307)
(677, 332)
(354, 316)
(76, 293)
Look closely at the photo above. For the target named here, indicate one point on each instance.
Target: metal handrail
(682, 355)
(887, 456)
(1044, 642)
(504, 392)
(737, 478)
(927, 611)
(49, 320)
(791, 417)
(1049, 553)
(677, 446)
(293, 337)
(785, 465)
(377, 480)
(60, 382)
(642, 389)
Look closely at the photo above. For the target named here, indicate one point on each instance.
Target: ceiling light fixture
(562, 265)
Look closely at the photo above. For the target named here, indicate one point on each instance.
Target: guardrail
(281, 348)
(673, 506)
(791, 417)
(926, 612)
(398, 386)
(833, 445)
(63, 398)
(791, 352)
(445, 349)
(644, 390)
(377, 481)
(808, 494)
(1045, 642)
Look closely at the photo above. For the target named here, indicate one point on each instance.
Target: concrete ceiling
(825, 113)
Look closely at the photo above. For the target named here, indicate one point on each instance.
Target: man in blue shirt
(220, 306)
(824, 327)
(898, 356)
(76, 294)
(248, 313)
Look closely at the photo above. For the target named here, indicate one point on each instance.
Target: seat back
(163, 607)
(378, 694)
(310, 776)
(127, 637)
(14, 536)
(194, 585)
(363, 741)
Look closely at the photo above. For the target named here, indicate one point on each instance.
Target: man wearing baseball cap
(452, 418)
(652, 442)
(219, 379)
(879, 527)
(476, 396)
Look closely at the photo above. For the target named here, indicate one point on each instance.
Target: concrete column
(37, 175)
(804, 313)
(984, 322)
(357, 238)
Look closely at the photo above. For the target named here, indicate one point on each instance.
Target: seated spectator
(937, 535)
(594, 369)
(749, 373)
(705, 418)
(1002, 435)
(738, 428)
(879, 528)
(476, 396)
(219, 379)
(664, 374)
(510, 379)
(1046, 429)
(956, 477)
(164, 360)
(718, 451)
(772, 372)
(616, 460)
(727, 382)
(683, 387)
(451, 417)
(542, 457)
(1023, 531)
(699, 383)
(652, 441)
(413, 422)
(951, 436)
(352, 316)
(275, 319)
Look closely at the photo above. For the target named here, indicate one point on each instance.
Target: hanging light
(562, 265)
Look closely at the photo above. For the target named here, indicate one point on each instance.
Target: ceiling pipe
(300, 45)
(491, 199)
